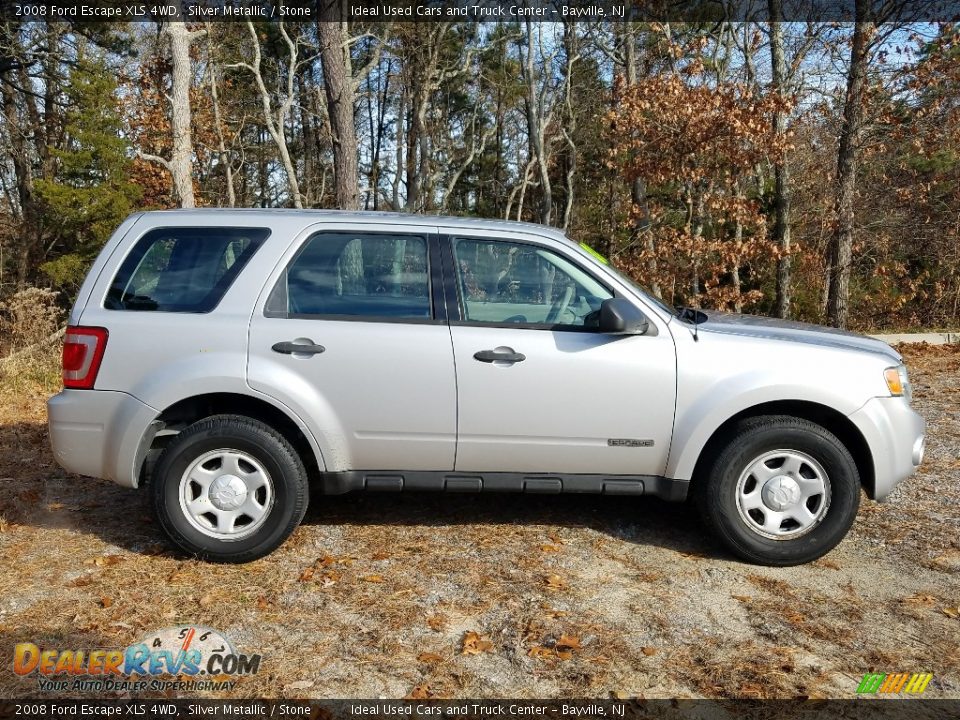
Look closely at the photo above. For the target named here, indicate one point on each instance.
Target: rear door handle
(490, 356)
(295, 348)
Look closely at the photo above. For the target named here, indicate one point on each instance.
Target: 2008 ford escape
(223, 360)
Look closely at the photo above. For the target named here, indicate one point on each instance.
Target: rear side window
(182, 269)
(355, 275)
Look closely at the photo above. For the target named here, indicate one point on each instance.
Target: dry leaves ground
(496, 596)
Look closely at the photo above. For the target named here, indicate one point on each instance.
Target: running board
(337, 483)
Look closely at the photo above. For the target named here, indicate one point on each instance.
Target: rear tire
(229, 489)
(782, 491)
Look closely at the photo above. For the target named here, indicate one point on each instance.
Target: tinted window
(182, 269)
(355, 275)
(505, 282)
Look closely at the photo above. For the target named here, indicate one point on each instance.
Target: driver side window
(503, 282)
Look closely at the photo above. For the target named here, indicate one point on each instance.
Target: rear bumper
(99, 433)
(895, 434)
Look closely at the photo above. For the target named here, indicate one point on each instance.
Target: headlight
(898, 383)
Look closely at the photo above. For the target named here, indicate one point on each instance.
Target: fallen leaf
(106, 602)
(263, 603)
(474, 643)
(953, 612)
(307, 574)
(570, 642)
(551, 613)
(540, 651)
(419, 692)
(555, 582)
(436, 623)
(550, 548)
(648, 651)
(920, 599)
(106, 560)
(381, 556)
(429, 657)
(619, 695)
(372, 578)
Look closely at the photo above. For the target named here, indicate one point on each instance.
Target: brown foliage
(697, 146)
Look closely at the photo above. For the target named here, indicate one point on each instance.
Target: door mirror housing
(620, 316)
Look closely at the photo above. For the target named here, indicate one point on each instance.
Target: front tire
(782, 491)
(229, 489)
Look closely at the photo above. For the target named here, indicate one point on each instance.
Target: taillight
(82, 352)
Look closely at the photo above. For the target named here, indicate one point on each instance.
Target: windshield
(646, 293)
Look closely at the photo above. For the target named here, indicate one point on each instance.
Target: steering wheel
(561, 304)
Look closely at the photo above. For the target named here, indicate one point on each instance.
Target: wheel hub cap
(780, 493)
(228, 492)
(783, 494)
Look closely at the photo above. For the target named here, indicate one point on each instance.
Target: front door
(349, 338)
(540, 390)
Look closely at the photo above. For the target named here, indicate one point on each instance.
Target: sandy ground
(497, 596)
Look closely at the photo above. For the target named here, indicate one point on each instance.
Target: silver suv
(228, 361)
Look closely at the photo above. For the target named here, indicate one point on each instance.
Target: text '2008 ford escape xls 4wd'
(225, 359)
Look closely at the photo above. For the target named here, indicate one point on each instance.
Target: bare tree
(340, 92)
(275, 118)
(841, 239)
(180, 165)
(781, 169)
(222, 153)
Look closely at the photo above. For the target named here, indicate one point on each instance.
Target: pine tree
(91, 192)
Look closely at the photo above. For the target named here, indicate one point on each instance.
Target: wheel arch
(192, 409)
(828, 418)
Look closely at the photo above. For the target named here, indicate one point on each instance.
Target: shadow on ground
(41, 494)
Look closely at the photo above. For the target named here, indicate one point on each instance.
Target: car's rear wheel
(229, 488)
(781, 491)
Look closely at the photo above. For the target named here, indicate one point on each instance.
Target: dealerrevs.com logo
(179, 658)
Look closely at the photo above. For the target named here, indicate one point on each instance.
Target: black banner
(86, 11)
(179, 709)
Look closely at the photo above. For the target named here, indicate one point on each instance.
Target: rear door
(350, 336)
(540, 389)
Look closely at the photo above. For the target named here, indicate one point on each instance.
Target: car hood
(792, 331)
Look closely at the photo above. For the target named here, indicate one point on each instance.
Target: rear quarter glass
(182, 269)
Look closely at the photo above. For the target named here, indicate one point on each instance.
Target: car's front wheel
(782, 491)
(229, 489)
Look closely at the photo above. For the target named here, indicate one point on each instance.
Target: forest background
(808, 170)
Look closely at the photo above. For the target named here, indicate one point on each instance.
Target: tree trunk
(338, 84)
(222, 153)
(782, 190)
(536, 129)
(841, 240)
(181, 159)
(640, 215)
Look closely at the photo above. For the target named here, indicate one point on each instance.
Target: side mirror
(620, 316)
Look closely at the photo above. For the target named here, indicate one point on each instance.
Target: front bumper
(895, 434)
(99, 433)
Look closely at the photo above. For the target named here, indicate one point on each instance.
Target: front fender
(700, 416)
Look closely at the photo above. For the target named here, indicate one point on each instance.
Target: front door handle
(505, 355)
(298, 348)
